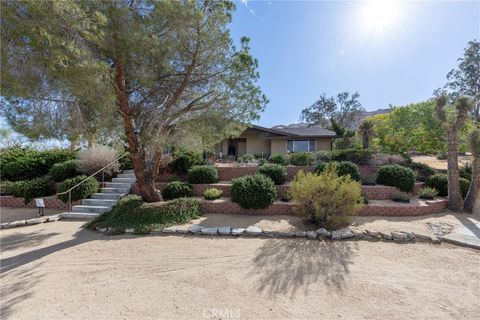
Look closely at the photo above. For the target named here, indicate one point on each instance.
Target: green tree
(366, 131)
(167, 69)
(452, 128)
(474, 190)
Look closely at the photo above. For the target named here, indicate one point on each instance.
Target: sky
(391, 52)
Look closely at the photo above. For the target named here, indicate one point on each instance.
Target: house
(280, 139)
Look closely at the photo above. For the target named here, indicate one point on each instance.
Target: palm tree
(474, 189)
(366, 131)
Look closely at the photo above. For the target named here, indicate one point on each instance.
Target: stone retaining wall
(398, 210)
(50, 202)
(224, 205)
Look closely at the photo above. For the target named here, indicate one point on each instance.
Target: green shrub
(177, 189)
(368, 180)
(396, 176)
(422, 170)
(279, 158)
(202, 174)
(324, 156)
(18, 163)
(261, 161)
(358, 156)
(132, 212)
(343, 168)
(326, 199)
(184, 161)
(83, 191)
(256, 191)
(29, 189)
(400, 196)
(64, 170)
(276, 172)
(212, 194)
(246, 157)
(126, 162)
(466, 171)
(320, 167)
(427, 193)
(301, 158)
(439, 182)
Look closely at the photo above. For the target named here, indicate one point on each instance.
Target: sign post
(40, 205)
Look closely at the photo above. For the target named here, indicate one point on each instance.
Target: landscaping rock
(210, 231)
(347, 234)
(196, 228)
(286, 234)
(336, 235)
(422, 238)
(101, 229)
(4, 225)
(182, 229)
(269, 234)
(386, 236)
(129, 230)
(53, 218)
(16, 224)
(253, 231)
(237, 231)
(359, 234)
(323, 233)
(374, 234)
(224, 230)
(311, 234)
(401, 236)
(169, 230)
(34, 221)
(300, 234)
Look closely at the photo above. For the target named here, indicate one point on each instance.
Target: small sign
(39, 203)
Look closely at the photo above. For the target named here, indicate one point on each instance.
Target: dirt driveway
(58, 271)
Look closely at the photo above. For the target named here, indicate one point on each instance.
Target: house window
(300, 145)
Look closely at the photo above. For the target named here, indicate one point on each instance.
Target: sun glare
(379, 16)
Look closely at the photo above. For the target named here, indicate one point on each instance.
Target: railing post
(70, 201)
(103, 178)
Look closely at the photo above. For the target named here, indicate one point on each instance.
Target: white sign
(39, 203)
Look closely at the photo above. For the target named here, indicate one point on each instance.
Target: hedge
(358, 156)
(64, 170)
(184, 161)
(29, 189)
(343, 168)
(439, 182)
(276, 172)
(301, 158)
(280, 159)
(255, 192)
(422, 170)
(83, 191)
(212, 194)
(397, 176)
(202, 174)
(177, 189)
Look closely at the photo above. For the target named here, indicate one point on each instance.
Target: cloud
(245, 3)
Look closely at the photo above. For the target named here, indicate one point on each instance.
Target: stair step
(115, 190)
(127, 171)
(99, 202)
(126, 175)
(124, 180)
(79, 215)
(114, 196)
(117, 185)
(91, 209)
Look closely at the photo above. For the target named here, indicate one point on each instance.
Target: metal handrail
(69, 191)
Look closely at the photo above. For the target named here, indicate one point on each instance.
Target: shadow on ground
(284, 266)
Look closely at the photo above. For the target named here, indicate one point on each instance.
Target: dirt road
(58, 271)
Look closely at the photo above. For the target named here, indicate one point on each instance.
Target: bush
(422, 170)
(427, 193)
(29, 189)
(320, 167)
(279, 158)
(177, 189)
(93, 159)
(126, 162)
(400, 196)
(18, 163)
(261, 161)
(439, 182)
(132, 212)
(396, 176)
(256, 191)
(301, 158)
(212, 194)
(368, 180)
(324, 156)
(326, 199)
(276, 172)
(184, 161)
(83, 191)
(64, 170)
(342, 169)
(202, 174)
(358, 156)
(466, 171)
(246, 157)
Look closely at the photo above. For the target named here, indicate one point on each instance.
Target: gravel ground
(58, 271)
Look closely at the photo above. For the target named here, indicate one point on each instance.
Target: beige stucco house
(260, 140)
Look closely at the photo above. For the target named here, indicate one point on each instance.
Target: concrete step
(79, 215)
(99, 202)
(126, 175)
(127, 171)
(114, 196)
(115, 190)
(117, 185)
(124, 180)
(91, 209)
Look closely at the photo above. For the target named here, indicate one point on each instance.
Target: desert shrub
(202, 174)
(261, 161)
(301, 158)
(83, 191)
(5, 187)
(64, 170)
(18, 163)
(324, 156)
(466, 171)
(132, 212)
(126, 162)
(368, 180)
(423, 171)
(347, 167)
(382, 159)
(212, 194)
(93, 159)
(255, 192)
(427, 193)
(279, 158)
(276, 172)
(29, 189)
(177, 189)
(396, 176)
(320, 167)
(326, 199)
(246, 157)
(353, 155)
(184, 161)
(439, 182)
(400, 196)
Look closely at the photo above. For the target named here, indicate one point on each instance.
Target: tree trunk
(366, 142)
(474, 190)
(454, 195)
(145, 177)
